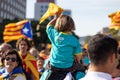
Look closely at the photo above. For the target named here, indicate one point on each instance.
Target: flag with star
(26, 30)
(15, 31)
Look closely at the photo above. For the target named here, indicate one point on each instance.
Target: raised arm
(53, 21)
(78, 57)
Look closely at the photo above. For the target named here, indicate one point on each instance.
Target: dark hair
(100, 47)
(23, 39)
(6, 45)
(64, 24)
(11, 52)
(39, 58)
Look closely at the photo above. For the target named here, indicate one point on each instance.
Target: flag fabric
(85, 46)
(26, 30)
(51, 11)
(115, 20)
(30, 62)
(4, 75)
(15, 31)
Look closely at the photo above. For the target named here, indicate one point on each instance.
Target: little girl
(65, 47)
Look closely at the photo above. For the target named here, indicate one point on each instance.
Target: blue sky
(90, 16)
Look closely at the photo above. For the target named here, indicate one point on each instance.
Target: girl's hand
(58, 14)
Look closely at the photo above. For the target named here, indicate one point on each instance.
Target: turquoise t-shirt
(64, 47)
(79, 75)
(86, 60)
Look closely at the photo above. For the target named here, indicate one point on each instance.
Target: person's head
(100, 48)
(84, 52)
(4, 47)
(40, 62)
(43, 54)
(11, 60)
(23, 44)
(65, 24)
(34, 52)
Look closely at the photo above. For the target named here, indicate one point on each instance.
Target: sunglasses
(12, 59)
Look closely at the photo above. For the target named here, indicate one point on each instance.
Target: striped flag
(30, 63)
(15, 31)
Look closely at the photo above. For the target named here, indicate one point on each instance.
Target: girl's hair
(23, 39)
(65, 24)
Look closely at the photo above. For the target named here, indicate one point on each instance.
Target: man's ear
(112, 58)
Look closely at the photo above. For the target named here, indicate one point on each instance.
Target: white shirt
(68, 76)
(97, 76)
(20, 77)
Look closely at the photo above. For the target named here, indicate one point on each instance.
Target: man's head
(4, 47)
(100, 48)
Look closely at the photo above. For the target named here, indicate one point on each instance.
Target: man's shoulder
(97, 76)
(93, 78)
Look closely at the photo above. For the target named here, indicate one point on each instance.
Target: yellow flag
(52, 10)
(85, 46)
(115, 20)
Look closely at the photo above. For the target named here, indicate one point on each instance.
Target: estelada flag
(115, 20)
(29, 62)
(51, 11)
(15, 31)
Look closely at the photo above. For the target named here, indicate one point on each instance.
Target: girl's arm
(53, 21)
(78, 57)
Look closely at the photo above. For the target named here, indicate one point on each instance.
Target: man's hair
(6, 45)
(100, 47)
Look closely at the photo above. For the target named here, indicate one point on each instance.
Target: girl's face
(10, 62)
(23, 46)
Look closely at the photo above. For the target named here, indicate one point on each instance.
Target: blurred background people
(28, 60)
(44, 54)
(34, 52)
(13, 69)
(40, 63)
(85, 60)
(4, 47)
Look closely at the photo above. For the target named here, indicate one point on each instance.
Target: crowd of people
(65, 59)
(24, 62)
